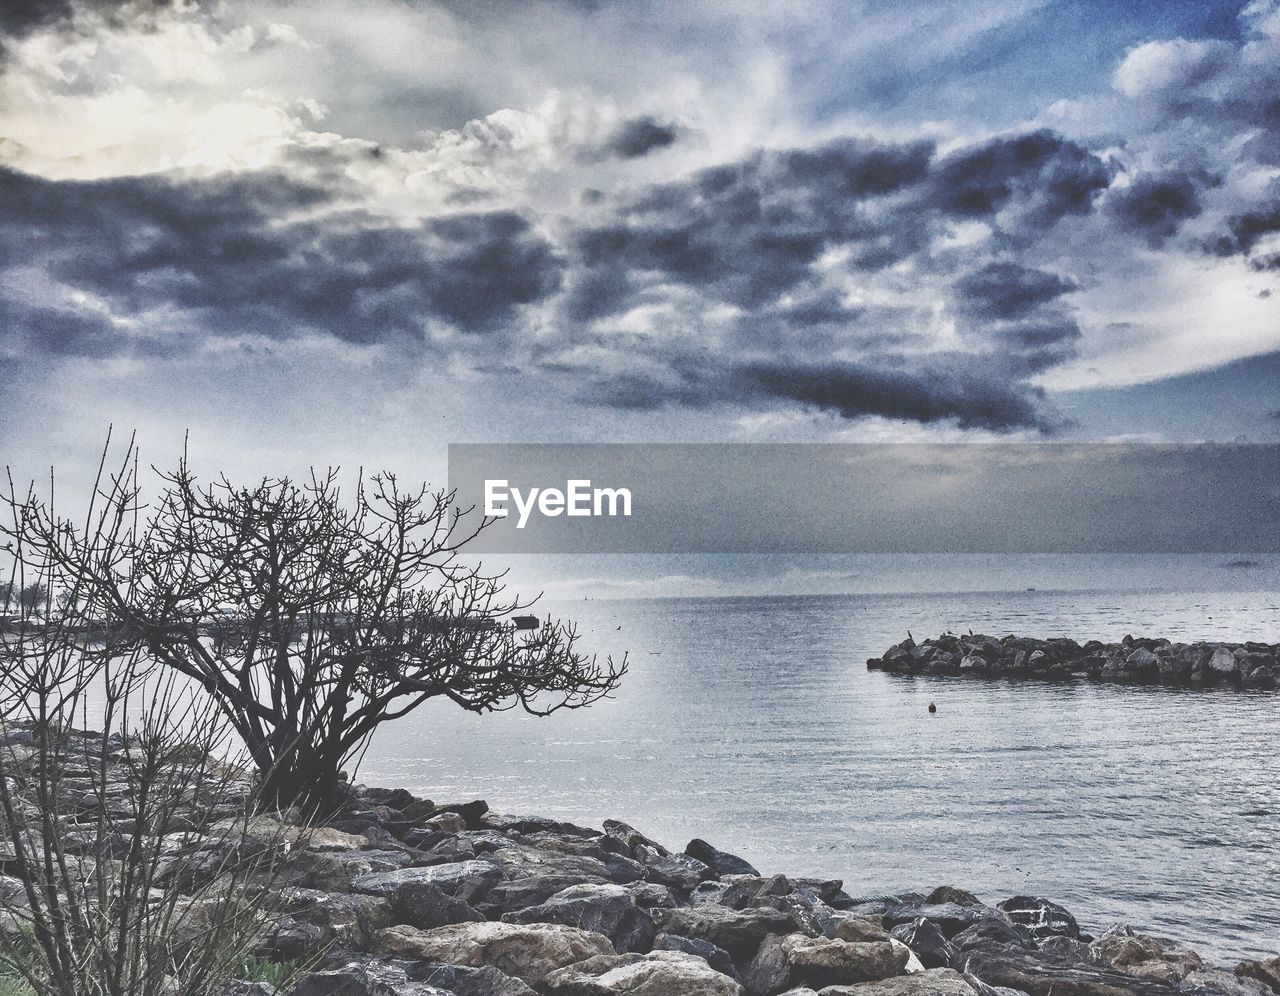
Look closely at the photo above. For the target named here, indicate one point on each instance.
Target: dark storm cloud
(944, 388)
(749, 231)
(20, 17)
(750, 234)
(1014, 309)
(748, 260)
(1156, 205)
(746, 232)
(1007, 290)
(1247, 230)
(955, 388)
(640, 136)
(243, 256)
(1047, 175)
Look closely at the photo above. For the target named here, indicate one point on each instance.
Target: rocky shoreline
(1134, 660)
(397, 895)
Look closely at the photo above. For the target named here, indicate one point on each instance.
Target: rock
(934, 982)
(847, 927)
(1069, 949)
(992, 931)
(950, 894)
(462, 980)
(925, 939)
(676, 870)
(1266, 972)
(631, 838)
(912, 963)
(472, 813)
(328, 839)
(820, 961)
(770, 970)
(364, 979)
(660, 973)
(720, 862)
(527, 951)
(425, 905)
(1042, 917)
(448, 822)
(738, 932)
(606, 909)
(1122, 948)
(1216, 982)
(950, 918)
(622, 870)
(292, 939)
(1036, 975)
(1223, 663)
(465, 880)
(530, 890)
(651, 896)
(717, 958)
(345, 919)
(249, 989)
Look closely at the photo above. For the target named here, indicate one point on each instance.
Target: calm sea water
(753, 722)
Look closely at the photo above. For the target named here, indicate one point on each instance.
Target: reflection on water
(754, 723)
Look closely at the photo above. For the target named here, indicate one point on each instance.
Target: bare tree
(129, 843)
(312, 617)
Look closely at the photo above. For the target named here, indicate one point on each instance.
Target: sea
(753, 723)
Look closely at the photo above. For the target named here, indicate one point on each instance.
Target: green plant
(274, 973)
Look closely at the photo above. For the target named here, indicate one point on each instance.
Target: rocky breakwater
(405, 897)
(402, 896)
(1136, 660)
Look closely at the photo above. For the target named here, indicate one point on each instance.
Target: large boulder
(847, 927)
(425, 905)
(1040, 916)
(679, 871)
(1223, 664)
(720, 862)
(718, 958)
(328, 839)
(822, 961)
(1266, 972)
(606, 909)
(631, 838)
(1137, 954)
(950, 918)
(952, 894)
(992, 932)
(770, 970)
(1037, 975)
(527, 951)
(660, 973)
(925, 939)
(737, 931)
(465, 880)
(345, 919)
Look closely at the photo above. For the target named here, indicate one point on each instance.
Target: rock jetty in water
(1134, 660)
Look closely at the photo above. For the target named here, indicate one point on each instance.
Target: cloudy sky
(334, 232)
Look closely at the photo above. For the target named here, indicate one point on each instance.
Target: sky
(328, 233)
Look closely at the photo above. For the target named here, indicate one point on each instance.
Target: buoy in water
(932, 707)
